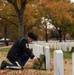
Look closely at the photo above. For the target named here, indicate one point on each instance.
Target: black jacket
(19, 47)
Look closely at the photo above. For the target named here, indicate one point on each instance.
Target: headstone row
(58, 58)
(58, 45)
(37, 50)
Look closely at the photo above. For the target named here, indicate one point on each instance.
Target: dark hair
(32, 35)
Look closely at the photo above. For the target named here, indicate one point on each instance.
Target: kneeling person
(19, 53)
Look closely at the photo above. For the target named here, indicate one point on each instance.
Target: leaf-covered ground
(30, 71)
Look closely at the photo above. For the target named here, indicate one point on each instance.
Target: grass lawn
(66, 55)
(4, 49)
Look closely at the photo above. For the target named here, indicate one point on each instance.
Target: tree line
(17, 17)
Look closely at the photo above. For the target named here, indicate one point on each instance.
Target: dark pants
(22, 62)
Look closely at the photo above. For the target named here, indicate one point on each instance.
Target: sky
(72, 0)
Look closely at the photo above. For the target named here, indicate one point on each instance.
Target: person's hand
(36, 60)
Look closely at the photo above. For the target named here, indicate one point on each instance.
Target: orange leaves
(59, 11)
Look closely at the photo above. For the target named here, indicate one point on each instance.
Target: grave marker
(47, 57)
(58, 62)
(37, 50)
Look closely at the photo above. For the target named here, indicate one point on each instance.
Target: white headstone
(58, 62)
(54, 45)
(58, 46)
(41, 50)
(37, 50)
(71, 44)
(47, 57)
(64, 46)
(31, 46)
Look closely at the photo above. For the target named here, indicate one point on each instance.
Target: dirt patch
(30, 71)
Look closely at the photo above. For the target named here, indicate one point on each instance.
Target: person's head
(32, 37)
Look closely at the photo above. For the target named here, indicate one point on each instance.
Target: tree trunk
(60, 35)
(57, 38)
(64, 37)
(5, 36)
(21, 24)
(46, 34)
(20, 13)
(5, 33)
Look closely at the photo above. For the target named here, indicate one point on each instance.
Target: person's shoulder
(24, 39)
